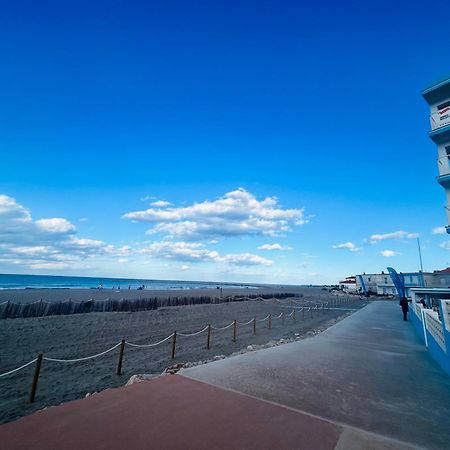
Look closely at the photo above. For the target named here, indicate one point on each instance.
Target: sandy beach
(81, 335)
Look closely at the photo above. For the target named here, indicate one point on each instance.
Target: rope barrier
(193, 334)
(246, 323)
(131, 344)
(83, 359)
(18, 368)
(223, 328)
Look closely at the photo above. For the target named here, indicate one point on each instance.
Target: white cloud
(269, 247)
(445, 245)
(184, 267)
(246, 259)
(347, 246)
(389, 253)
(394, 235)
(56, 225)
(161, 203)
(49, 265)
(237, 213)
(33, 250)
(49, 243)
(195, 252)
(83, 219)
(439, 230)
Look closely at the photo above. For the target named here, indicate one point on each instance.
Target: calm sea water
(8, 281)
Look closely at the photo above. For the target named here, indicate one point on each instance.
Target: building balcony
(443, 165)
(440, 119)
(444, 171)
(440, 131)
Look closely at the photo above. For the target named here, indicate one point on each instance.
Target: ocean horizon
(17, 281)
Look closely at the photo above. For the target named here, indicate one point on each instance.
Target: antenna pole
(421, 263)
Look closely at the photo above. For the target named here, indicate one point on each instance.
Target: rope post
(282, 318)
(234, 330)
(310, 308)
(37, 370)
(254, 325)
(293, 314)
(270, 321)
(119, 363)
(208, 337)
(174, 343)
(303, 313)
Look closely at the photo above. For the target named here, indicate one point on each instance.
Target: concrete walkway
(369, 371)
(365, 379)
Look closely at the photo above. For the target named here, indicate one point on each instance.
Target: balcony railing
(444, 165)
(440, 118)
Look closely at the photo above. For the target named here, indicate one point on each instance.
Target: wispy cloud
(389, 253)
(347, 246)
(439, 230)
(160, 203)
(394, 235)
(270, 247)
(196, 252)
(237, 213)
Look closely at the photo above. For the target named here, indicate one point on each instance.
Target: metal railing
(443, 165)
(440, 119)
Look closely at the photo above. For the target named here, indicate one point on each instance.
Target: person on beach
(405, 308)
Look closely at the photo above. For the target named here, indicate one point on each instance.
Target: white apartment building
(438, 98)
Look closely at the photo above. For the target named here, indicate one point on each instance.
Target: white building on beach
(382, 284)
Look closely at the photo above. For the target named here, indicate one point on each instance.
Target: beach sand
(80, 335)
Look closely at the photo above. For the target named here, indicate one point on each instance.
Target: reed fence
(40, 308)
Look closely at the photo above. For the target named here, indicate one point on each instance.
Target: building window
(443, 105)
(368, 279)
(385, 279)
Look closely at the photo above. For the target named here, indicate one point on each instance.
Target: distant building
(382, 284)
(438, 98)
(349, 284)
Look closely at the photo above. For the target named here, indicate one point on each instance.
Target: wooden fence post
(303, 313)
(37, 370)
(208, 337)
(270, 321)
(310, 309)
(119, 363)
(174, 343)
(293, 314)
(254, 325)
(282, 318)
(234, 330)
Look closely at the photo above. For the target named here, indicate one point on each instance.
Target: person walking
(405, 308)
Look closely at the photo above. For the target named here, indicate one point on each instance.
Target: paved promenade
(369, 371)
(366, 383)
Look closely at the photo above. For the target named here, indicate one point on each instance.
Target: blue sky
(108, 107)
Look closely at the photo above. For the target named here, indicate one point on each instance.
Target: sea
(13, 281)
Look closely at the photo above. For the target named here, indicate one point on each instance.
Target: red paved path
(171, 412)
